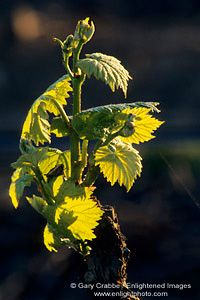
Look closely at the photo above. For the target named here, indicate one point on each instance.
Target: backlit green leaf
(51, 239)
(37, 203)
(107, 68)
(74, 218)
(45, 159)
(85, 214)
(36, 126)
(19, 181)
(68, 189)
(58, 127)
(54, 158)
(144, 125)
(119, 162)
(97, 122)
(31, 160)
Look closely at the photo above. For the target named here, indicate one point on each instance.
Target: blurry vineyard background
(159, 43)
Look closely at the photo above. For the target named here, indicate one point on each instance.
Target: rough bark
(107, 262)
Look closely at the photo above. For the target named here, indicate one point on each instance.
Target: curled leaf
(19, 181)
(36, 126)
(52, 240)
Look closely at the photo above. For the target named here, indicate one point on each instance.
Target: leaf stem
(84, 154)
(77, 81)
(66, 65)
(62, 112)
(43, 191)
(94, 171)
(110, 138)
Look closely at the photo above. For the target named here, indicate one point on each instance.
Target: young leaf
(51, 239)
(119, 162)
(31, 160)
(36, 126)
(97, 122)
(93, 126)
(68, 189)
(85, 215)
(54, 158)
(19, 181)
(37, 203)
(58, 127)
(107, 68)
(112, 108)
(84, 32)
(144, 125)
(74, 218)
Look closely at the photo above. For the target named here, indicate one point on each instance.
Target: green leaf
(112, 108)
(119, 162)
(97, 122)
(54, 158)
(144, 125)
(36, 126)
(85, 215)
(58, 127)
(19, 181)
(107, 68)
(151, 105)
(40, 163)
(60, 227)
(68, 190)
(92, 126)
(75, 214)
(51, 239)
(74, 218)
(31, 160)
(37, 203)
(45, 159)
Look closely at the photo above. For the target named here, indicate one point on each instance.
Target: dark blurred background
(159, 43)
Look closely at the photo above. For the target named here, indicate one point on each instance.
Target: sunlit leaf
(51, 239)
(37, 203)
(31, 160)
(45, 159)
(119, 162)
(144, 125)
(97, 122)
(107, 68)
(80, 215)
(56, 184)
(54, 158)
(68, 189)
(19, 181)
(36, 126)
(74, 218)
